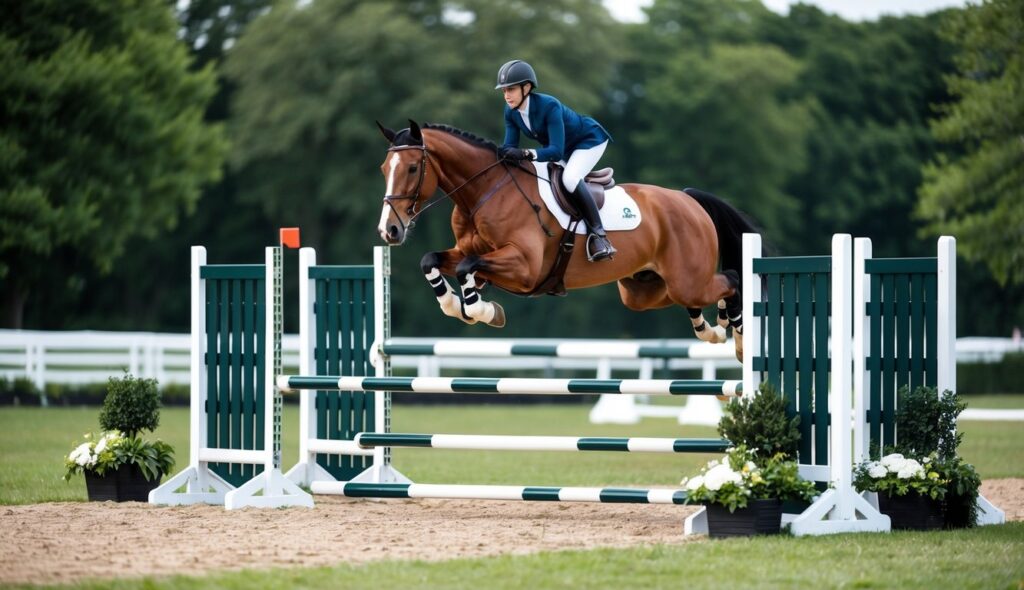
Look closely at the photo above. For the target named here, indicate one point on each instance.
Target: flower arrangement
(112, 449)
(737, 479)
(897, 475)
(131, 406)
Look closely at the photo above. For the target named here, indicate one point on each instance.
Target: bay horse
(505, 236)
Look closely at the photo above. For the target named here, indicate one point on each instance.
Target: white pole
(197, 370)
(946, 379)
(861, 341)
(751, 324)
(839, 398)
(307, 362)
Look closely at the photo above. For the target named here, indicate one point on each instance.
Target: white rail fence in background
(92, 357)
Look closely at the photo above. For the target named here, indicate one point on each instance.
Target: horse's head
(409, 182)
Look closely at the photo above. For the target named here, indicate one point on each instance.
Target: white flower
(892, 462)
(712, 464)
(694, 482)
(910, 468)
(82, 455)
(101, 446)
(719, 476)
(877, 471)
(749, 466)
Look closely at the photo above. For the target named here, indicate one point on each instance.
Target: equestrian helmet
(514, 73)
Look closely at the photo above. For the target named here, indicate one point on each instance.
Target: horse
(503, 234)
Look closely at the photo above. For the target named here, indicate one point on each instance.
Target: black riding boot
(598, 246)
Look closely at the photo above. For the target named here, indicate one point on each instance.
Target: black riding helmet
(514, 73)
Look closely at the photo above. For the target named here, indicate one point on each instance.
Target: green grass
(989, 557)
(33, 442)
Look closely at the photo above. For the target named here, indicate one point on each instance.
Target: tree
(103, 138)
(975, 189)
(311, 80)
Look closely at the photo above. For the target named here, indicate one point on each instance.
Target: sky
(854, 10)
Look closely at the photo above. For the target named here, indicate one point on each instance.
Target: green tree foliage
(975, 190)
(103, 137)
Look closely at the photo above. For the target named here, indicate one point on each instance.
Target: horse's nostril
(392, 231)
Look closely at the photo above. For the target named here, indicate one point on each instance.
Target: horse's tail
(730, 223)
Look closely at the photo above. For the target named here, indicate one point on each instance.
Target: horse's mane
(470, 138)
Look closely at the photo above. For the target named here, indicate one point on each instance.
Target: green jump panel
(344, 312)
(235, 360)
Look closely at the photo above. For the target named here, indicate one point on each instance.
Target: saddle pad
(619, 213)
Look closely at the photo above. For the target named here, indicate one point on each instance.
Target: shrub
(132, 405)
(926, 422)
(760, 423)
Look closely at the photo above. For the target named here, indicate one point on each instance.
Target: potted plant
(947, 493)
(744, 497)
(910, 491)
(119, 465)
(744, 491)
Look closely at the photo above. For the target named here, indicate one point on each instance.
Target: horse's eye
(412, 169)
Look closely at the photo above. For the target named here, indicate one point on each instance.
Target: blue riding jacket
(558, 128)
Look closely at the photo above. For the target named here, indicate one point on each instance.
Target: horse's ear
(388, 134)
(414, 131)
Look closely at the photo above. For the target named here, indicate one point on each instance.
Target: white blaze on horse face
(382, 227)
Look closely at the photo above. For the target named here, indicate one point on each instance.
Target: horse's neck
(464, 173)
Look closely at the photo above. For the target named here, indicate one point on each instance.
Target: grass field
(33, 442)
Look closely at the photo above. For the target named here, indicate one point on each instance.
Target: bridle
(413, 196)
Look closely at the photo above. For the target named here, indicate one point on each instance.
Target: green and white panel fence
(234, 453)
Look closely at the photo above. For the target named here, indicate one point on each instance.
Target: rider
(578, 140)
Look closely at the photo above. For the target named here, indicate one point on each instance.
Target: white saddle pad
(619, 213)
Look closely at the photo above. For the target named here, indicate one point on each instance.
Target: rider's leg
(580, 163)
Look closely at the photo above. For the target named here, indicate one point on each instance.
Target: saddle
(598, 181)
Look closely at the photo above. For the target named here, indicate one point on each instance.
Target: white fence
(90, 357)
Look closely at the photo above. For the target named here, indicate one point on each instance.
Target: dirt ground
(66, 542)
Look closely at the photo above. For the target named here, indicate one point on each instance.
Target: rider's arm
(511, 129)
(555, 149)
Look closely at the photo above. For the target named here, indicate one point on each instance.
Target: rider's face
(513, 96)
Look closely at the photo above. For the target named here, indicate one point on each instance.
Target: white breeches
(581, 163)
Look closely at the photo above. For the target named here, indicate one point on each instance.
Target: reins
(412, 211)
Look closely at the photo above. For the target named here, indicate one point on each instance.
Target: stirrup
(604, 253)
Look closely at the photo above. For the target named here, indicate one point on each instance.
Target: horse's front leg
(508, 263)
(435, 266)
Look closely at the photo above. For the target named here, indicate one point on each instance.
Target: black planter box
(760, 517)
(912, 511)
(126, 484)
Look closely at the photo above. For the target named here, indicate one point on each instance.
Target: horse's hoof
(718, 335)
(498, 321)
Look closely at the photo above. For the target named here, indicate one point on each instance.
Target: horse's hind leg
(731, 309)
(703, 329)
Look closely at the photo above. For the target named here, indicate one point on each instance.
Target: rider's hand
(514, 154)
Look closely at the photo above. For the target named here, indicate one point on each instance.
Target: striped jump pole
(499, 492)
(513, 385)
(369, 440)
(582, 349)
